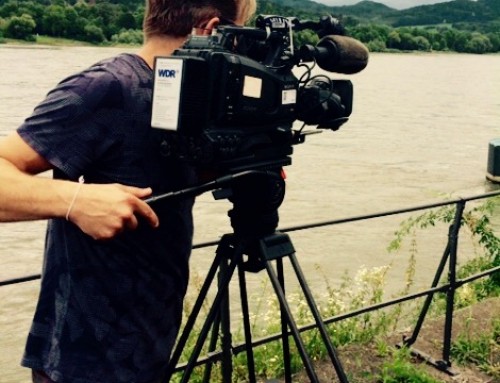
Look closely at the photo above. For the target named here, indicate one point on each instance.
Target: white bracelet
(80, 183)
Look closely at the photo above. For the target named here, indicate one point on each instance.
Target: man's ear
(211, 25)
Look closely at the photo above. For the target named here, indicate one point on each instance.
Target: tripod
(254, 218)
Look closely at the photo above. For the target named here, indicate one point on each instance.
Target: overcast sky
(398, 4)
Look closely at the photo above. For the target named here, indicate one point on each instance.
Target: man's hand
(103, 211)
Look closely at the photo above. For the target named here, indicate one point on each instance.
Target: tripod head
(256, 196)
(256, 199)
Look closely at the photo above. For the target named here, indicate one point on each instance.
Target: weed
(483, 350)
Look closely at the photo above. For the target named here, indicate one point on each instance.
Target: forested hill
(467, 11)
(464, 11)
(460, 25)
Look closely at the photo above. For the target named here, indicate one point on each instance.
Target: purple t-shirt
(109, 311)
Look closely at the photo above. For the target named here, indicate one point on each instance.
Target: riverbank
(47, 41)
(362, 363)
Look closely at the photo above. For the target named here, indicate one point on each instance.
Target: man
(115, 271)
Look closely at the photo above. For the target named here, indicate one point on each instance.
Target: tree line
(108, 22)
(95, 22)
(381, 38)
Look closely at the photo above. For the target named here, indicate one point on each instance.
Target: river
(419, 133)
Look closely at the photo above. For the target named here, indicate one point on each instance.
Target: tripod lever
(200, 189)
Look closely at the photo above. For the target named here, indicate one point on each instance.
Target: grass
(46, 40)
(399, 368)
(55, 42)
(482, 350)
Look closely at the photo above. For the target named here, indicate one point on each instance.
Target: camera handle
(256, 196)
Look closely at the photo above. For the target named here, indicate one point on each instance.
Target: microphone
(334, 53)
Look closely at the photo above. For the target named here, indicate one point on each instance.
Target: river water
(419, 133)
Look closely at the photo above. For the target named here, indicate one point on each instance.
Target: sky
(397, 4)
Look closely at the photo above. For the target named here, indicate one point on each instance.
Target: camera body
(229, 101)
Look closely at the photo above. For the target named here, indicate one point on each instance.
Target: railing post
(452, 279)
(450, 256)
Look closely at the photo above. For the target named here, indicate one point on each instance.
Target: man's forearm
(27, 197)
(101, 211)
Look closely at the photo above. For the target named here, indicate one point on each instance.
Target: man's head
(177, 18)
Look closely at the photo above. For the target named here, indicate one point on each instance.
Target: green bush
(21, 27)
(94, 34)
(129, 37)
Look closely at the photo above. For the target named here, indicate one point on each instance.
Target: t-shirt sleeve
(66, 129)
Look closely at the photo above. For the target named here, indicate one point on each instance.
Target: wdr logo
(167, 73)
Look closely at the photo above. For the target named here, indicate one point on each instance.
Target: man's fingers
(131, 223)
(141, 207)
(138, 192)
(144, 210)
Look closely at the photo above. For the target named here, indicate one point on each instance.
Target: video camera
(228, 101)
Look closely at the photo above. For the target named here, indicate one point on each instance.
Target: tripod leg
(291, 323)
(235, 258)
(212, 346)
(317, 317)
(284, 328)
(188, 328)
(221, 329)
(225, 321)
(276, 247)
(246, 325)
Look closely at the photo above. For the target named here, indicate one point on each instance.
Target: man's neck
(159, 46)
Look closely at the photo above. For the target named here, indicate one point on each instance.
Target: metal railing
(449, 258)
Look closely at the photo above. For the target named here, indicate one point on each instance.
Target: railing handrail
(315, 225)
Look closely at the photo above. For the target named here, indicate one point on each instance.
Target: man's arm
(101, 211)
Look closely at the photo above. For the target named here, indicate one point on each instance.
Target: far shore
(44, 42)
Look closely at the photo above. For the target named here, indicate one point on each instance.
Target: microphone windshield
(341, 54)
